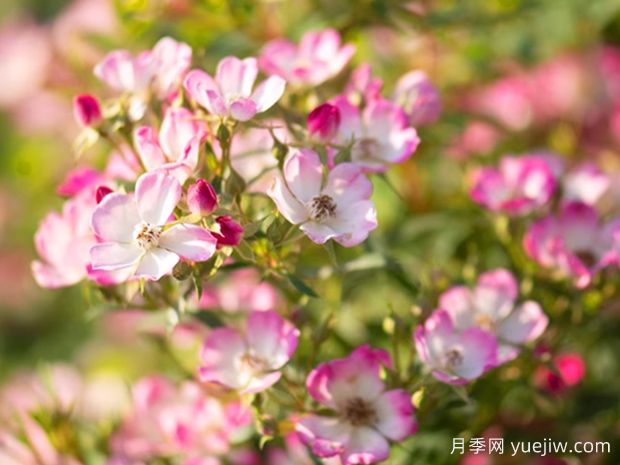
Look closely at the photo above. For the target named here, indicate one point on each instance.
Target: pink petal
(189, 241)
(525, 323)
(242, 109)
(155, 263)
(271, 337)
(178, 128)
(457, 301)
(347, 183)
(157, 195)
(236, 77)
(303, 173)
(197, 83)
(365, 446)
(286, 203)
(260, 383)
(148, 148)
(114, 255)
(479, 353)
(325, 436)
(318, 233)
(220, 354)
(268, 93)
(354, 223)
(115, 218)
(396, 415)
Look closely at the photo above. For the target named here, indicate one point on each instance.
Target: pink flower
(79, 179)
(242, 291)
(123, 72)
(323, 122)
(134, 232)
(338, 209)
(491, 306)
(455, 357)
(380, 134)
(575, 242)
(230, 232)
(519, 186)
(230, 93)
(175, 149)
(477, 138)
(172, 60)
(366, 415)
(363, 87)
(87, 110)
(176, 420)
(249, 361)
(318, 57)
(201, 198)
(63, 241)
(417, 95)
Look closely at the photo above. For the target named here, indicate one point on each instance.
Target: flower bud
(102, 191)
(230, 233)
(87, 110)
(323, 122)
(201, 198)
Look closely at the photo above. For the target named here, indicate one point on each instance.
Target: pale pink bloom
(454, 357)
(477, 138)
(323, 122)
(319, 56)
(363, 87)
(175, 149)
(379, 133)
(125, 72)
(338, 209)
(417, 95)
(63, 242)
(491, 305)
(367, 416)
(135, 235)
(230, 94)
(575, 242)
(249, 361)
(241, 291)
(172, 61)
(251, 155)
(585, 183)
(168, 420)
(518, 186)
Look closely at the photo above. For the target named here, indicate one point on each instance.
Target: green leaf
(301, 286)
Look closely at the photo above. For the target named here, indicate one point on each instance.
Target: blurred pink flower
(417, 95)
(570, 370)
(574, 242)
(133, 234)
(585, 183)
(491, 306)
(339, 209)
(455, 357)
(379, 133)
(477, 138)
(363, 87)
(249, 361)
(519, 186)
(175, 149)
(318, 57)
(241, 291)
(230, 93)
(367, 415)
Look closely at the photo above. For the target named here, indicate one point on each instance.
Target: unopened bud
(102, 191)
(201, 198)
(323, 122)
(87, 110)
(230, 233)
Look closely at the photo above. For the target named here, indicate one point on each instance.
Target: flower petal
(268, 93)
(157, 194)
(220, 357)
(242, 109)
(271, 338)
(155, 263)
(114, 255)
(197, 84)
(365, 446)
(236, 77)
(325, 436)
(347, 183)
(148, 148)
(287, 204)
(525, 323)
(396, 415)
(115, 218)
(189, 241)
(304, 174)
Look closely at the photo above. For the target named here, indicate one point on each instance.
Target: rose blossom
(135, 234)
(417, 95)
(175, 149)
(318, 57)
(367, 415)
(379, 133)
(338, 209)
(455, 357)
(517, 187)
(230, 94)
(574, 242)
(585, 183)
(491, 305)
(249, 361)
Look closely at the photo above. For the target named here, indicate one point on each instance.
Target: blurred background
(514, 76)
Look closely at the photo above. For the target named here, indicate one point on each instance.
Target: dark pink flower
(323, 122)
(230, 232)
(201, 198)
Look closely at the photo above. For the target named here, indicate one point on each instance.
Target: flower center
(322, 207)
(147, 235)
(587, 257)
(365, 148)
(485, 322)
(359, 412)
(253, 362)
(453, 358)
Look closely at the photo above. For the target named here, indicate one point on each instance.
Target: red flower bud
(102, 191)
(230, 233)
(87, 110)
(323, 122)
(201, 198)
